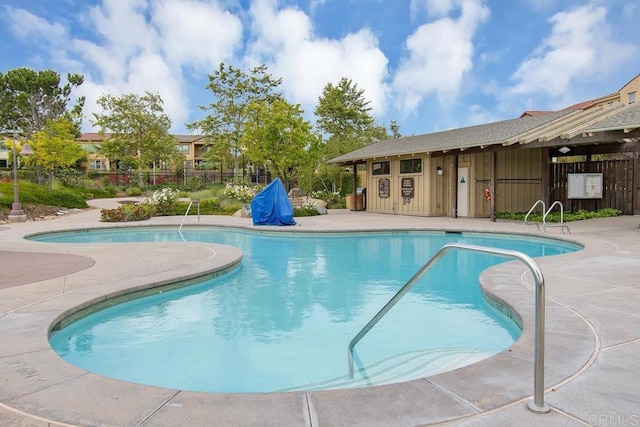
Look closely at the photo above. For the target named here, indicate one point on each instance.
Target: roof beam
(577, 130)
(590, 116)
(526, 135)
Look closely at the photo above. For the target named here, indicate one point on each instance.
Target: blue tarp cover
(271, 206)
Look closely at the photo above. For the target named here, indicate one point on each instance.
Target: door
(463, 191)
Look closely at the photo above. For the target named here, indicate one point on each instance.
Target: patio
(592, 333)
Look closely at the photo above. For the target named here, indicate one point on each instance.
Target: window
(381, 168)
(183, 148)
(95, 164)
(411, 166)
(632, 97)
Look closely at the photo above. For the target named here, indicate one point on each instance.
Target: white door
(463, 191)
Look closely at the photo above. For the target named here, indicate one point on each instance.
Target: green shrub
(133, 192)
(128, 212)
(205, 194)
(163, 200)
(305, 211)
(111, 189)
(554, 216)
(41, 195)
(230, 208)
(241, 192)
(195, 183)
(341, 203)
(210, 206)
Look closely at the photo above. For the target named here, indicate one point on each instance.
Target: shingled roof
(496, 133)
(627, 119)
(561, 125)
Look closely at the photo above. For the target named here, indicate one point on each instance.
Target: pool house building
(507, 166)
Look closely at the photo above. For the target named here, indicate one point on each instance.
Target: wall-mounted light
(439, 170)
(564, 149)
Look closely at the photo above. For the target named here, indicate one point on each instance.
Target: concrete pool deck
(592, 369)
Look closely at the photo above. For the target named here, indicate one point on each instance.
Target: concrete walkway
(592, 370)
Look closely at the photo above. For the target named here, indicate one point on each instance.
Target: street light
(17, 214)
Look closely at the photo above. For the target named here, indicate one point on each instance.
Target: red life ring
(487, 192)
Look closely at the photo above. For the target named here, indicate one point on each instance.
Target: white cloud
(579, 47)
(315, 4)
(139, 45)
(123, 25)
(27, 26)
(196, 34)
(284, 39)
(440, 53)
(433, 8)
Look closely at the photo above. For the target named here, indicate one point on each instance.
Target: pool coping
(40, 385)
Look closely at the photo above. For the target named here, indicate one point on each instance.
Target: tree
(395, 129)
(55, 148)
(234, 90)
(38, 97)
(344, 116)
(278, 136)
(139, 130)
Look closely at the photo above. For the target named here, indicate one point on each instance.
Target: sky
(430, 65)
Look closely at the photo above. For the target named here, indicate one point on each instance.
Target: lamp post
(17, 214)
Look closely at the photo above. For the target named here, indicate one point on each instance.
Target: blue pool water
(283, 319)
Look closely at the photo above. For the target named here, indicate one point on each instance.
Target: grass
(31, 193)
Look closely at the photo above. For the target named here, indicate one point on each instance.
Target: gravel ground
(37, 212)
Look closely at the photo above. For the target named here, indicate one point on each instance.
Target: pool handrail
(187, 213)
(562, 224)
(526, 217)
(537, 405)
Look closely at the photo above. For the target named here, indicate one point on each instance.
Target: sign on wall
(406, 188)
(383, 188)
(584, 186)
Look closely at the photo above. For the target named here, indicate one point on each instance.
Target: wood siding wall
(440, 186)
(621, 185)
(518, 178)
(430, 196)
(519, 184)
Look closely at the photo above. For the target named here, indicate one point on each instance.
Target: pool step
(401, 367)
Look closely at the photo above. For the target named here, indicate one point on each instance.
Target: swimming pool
(282, 321)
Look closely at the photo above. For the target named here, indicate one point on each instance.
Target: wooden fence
(621, 185)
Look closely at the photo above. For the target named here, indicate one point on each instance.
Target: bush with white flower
(308, 208)
(243, 193)
(163, 199)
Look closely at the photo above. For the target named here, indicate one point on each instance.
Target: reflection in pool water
(283, 320)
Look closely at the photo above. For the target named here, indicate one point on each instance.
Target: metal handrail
(544, 218)
(538, 404)
(526, 217)
(187, 213)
